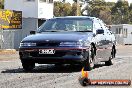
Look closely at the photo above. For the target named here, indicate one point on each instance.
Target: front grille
(48, 44)
(57, 54)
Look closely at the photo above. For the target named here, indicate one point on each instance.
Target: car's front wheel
(109, 62)
(113, 53)
(89, 63)
(27, 65)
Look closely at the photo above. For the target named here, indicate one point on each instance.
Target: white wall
(67, 1)
(32, 9)
(128, 39)
(29, 9)
(13, 4)
(45, 10)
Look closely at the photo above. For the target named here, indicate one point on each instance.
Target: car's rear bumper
(65, 56)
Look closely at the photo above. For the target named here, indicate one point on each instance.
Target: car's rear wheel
(58, 65)
(113, 53)
(89, 63)
(109, 62)
(28, 65)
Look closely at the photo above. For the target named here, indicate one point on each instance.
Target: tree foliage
(120, 12)
(66, 9)
(100, 9)
(1, 4)
(110, 12)
(74, 11)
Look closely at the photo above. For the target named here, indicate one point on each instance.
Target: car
(81, 40)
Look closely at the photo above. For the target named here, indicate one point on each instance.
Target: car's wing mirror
(32, 32)
(100, 31)
(94, 34)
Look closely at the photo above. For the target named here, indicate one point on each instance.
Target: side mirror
(32, 32)
(100, 31)
(94, 35)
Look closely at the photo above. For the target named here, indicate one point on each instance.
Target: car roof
(70, 17)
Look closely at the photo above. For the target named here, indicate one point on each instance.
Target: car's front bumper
(62, 55)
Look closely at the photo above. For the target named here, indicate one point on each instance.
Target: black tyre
(58, 65)
(113, 53)
(89, 63)
(108, 63)
(27, 65)
(84, 81)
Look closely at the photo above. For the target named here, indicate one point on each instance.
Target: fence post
(1, 38)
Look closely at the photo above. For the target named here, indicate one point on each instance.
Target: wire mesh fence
(6, 39)
(11, 38)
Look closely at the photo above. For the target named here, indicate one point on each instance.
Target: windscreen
(72, 24)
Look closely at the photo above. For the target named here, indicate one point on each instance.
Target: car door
(107, 45)
(99, 39)
(109, 38)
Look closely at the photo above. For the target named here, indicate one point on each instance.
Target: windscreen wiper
(85, 31)
(52, 30)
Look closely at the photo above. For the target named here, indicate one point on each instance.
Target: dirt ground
(48, 76)
(8, 56)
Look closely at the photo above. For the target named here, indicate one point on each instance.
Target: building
(123, 33)
(34, 13)
(66, 1)
(35, 9)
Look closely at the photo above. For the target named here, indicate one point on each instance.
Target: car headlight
(86, 43)
(71, 44)
(27, 44)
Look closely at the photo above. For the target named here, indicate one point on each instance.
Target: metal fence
(11, 38)
(6, 39)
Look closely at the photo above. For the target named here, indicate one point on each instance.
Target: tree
(121, 11)
(57, 8)
(1, 4)
(130, 7)
(62, 9)
(130, 13)
(110, 12)
(74, 10)
(100, 9)
(75, 0)
(105, 15)
(65, 9)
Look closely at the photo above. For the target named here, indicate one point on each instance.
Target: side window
(103, 25)
(97, 25)
(119, 31)
(125, 33)
(109, 32)
(42, 0)
(116, 30)
(29, 0)
(48, 1)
